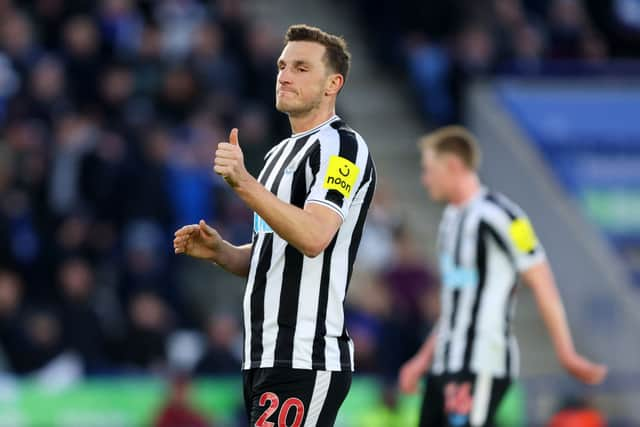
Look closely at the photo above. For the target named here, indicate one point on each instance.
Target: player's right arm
(414, 368)
(204, 242)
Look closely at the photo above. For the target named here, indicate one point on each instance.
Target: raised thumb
(233, 137)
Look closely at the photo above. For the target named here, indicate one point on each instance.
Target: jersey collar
(307, 132)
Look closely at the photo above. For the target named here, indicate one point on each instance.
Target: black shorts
(462, 400)
(279, 397)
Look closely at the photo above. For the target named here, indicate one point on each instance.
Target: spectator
(177, 411)
(224, 346)
(81, 328)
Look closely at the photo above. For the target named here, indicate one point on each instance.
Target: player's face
(435, 174)
(302, 78)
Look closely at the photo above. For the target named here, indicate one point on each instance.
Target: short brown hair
(455, 140)
(336, 55)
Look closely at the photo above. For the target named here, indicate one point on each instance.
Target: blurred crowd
(109, 115)
(441, 45)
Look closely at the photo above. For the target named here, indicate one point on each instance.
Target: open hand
(198, 240)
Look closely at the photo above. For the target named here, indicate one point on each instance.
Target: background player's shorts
(293, 397)
(462, 400)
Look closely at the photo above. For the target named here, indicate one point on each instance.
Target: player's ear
(454, 163)
(334, 84)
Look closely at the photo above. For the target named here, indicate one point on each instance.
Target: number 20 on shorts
(287, 406)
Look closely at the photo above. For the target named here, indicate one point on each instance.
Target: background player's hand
(410, 374)
(229, 161)
(198, 240)
(584, 370)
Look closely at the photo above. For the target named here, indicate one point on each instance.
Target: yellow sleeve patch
(522, 234)
(341, 175)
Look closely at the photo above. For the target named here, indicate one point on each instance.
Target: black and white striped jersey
(293, 304)
(482, 246)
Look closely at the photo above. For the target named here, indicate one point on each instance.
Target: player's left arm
(310, 230)
(541, 281)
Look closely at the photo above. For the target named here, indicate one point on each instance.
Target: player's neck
(469, 186)
(303, 123)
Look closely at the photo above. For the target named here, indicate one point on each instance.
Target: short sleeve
(517, 233)
(337, 170)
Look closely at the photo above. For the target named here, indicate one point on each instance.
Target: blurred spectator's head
(475, 49)
(10, 292)
(73, 232)
(509, 13)
(405, 250)
(47, 80)
(111, 147)
(81, 37)
(254, 125)
(117, 85)
(179, 86)
(157, 145)
(594, 47)
(49, 8)
(222, 330)
(566, 15)
(148, 312)
(231, 10)
(75, 132)
(75, 276)
(207, 41)
(43, 329)
(262, 43)
(17, 34)
(116, 8)
(143, 242)
(528, 43)
(150, 42)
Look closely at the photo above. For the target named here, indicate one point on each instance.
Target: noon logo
(341, 175)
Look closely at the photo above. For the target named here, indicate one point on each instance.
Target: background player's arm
(310, 230)
(413, 369)
(540, 279)
(204, 242)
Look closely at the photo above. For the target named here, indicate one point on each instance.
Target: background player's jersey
(482, 246)
(293, 304)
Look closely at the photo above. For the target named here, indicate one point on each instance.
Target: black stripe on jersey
(257, 299)
(369, 177)
(481, 267)
(296, 149)
(288, 311)
(317, 356)
(495, 199)
(348, 150)
(314, 164)
(508, 325)
(456, 293)
(275, 157)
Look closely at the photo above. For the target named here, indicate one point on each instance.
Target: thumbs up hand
(229, 161)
